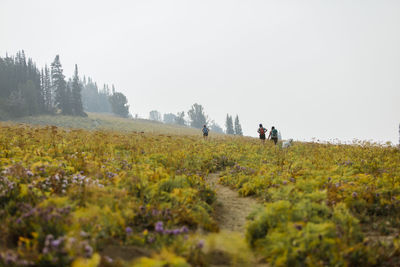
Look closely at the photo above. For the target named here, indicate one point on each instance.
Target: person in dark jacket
(273, 134)
(205, 131)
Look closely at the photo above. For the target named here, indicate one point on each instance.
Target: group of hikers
(273, 134)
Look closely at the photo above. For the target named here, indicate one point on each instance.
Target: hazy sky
(324, 69)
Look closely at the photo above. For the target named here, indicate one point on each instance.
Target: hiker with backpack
(273, 134)
(262, 131)
(205, 131)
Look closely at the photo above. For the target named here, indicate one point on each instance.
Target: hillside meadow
(101, 197)
(98, 121)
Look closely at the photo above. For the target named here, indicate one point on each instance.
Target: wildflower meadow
(72, 197)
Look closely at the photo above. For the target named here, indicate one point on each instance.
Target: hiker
(273, 134)
(262, 131)
(205, 131)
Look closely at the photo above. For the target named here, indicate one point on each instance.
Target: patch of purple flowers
(200, 244)
(159, 227)
(128, 230)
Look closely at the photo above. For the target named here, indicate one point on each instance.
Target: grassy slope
(108, 122)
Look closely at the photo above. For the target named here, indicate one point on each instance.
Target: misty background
(323, 69)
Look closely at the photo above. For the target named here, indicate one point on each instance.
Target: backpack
(274, 133)
(205, 130)
(262, 130)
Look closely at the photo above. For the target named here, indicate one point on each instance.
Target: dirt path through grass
(231, 209)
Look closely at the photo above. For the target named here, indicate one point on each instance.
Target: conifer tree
(238, 127)
(59, 86)
(48, 101)
(229, 125)
(76, 89)
(68, 99)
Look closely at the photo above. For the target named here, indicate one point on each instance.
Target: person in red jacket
(262, 131)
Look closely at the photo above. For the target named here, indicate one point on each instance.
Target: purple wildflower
(354, 194)
(83, 234)
(110, 174)
(284, 182)
(348, 162)
(329, 179)
(88, 250)
(167, 232)
(184, 229)
(298, 226)
(155, 212)
(200, 244)
(55, 243)
(292, 179)
(159, 227)
(49, 237)
(10, 258)
(128, 230)
(176, 231)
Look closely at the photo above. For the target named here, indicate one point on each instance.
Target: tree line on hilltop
(25, 91)
(196, 118)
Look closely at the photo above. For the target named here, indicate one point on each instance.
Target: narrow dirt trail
(231, 209)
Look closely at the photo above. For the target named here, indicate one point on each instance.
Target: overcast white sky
(323, 69)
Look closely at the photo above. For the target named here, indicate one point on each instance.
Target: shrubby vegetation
(326, 204)
(67, 196)
(70, 196)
